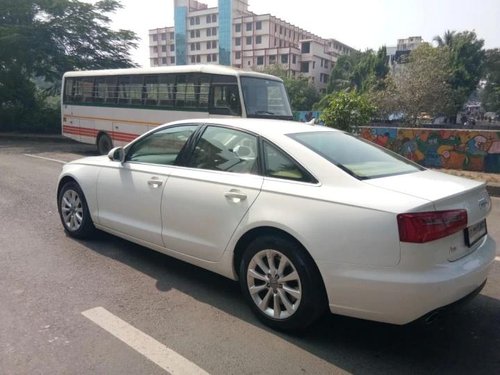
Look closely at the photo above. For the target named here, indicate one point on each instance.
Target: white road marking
(153, 350)
(49, 159)
(497, 259)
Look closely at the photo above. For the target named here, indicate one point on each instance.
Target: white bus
(112, 107)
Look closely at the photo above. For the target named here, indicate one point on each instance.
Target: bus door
(224, 97)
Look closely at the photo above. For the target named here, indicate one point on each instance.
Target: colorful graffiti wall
(473, 150)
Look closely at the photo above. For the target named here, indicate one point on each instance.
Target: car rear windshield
(358, 157)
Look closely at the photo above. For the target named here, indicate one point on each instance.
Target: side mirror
(117, 154)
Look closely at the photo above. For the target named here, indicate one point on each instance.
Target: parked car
(307, 218)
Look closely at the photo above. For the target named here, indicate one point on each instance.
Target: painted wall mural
(473, 150)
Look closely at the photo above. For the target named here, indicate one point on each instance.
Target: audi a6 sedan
(307, 218)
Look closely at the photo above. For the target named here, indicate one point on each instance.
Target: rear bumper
(399, 295)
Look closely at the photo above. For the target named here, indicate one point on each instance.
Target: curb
(36, 137)
(493, 190)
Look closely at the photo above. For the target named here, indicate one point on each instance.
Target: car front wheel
(74, 211)
(281, 283)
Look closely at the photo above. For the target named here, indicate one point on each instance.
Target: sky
(361, 24)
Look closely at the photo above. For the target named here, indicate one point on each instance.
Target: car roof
(264, 127)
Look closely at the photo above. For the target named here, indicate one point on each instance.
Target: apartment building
(230, 34)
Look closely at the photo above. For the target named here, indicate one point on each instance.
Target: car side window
(280, 165)
(227, 150)
(161, 147)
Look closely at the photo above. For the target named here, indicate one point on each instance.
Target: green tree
(419, 86)
(361, 71)
(302, 94)
(41, 39)
(347, 110)
(467, 58)
(491, 94)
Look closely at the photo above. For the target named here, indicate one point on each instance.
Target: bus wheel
(104, 144)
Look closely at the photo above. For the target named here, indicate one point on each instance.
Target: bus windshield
(265, 98)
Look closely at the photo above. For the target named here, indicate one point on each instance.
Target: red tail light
(423, 227)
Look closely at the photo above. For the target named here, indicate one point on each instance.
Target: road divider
(153, 350)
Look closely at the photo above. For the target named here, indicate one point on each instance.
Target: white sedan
(307, 218)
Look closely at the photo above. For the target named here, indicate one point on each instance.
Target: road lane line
(43, 158)
(153, 350)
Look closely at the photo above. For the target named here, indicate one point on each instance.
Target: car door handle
(155, 182)
(235, 195)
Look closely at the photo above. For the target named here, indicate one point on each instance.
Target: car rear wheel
(74, 211)
(104, 144)
(281, 283)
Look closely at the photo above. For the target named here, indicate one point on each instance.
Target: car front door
(205, 202)
(129, 194)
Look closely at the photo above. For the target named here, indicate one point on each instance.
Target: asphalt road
(47, 280)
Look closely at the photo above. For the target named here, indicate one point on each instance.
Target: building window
(198, 58)
(164, 61)
(314, 64)
(326, 64)
(214, 44)
(238, 55)
(155, 61)
(192, 46)
(258, 25)
(197, 21)
(164, 36)
(284, 59)
(304, 67)
(209, 58)
(191, 34)
(191, 21)
(281, 29)
(164, 48)
(294, 59)
(249, 26)
(214, 31)
(272, 59)
(155, 37)
(198, 46)
(209, 32)
(198, 33)
(172, 60)
(172, 35)
(306, 47)
(192, 59)
(214, 17)
(209, 45)
(260, 60)
(237, 41)
(172, 47)
(209, 18)
(214, 57)
(238, 28)
(155, 49)
(249, 40)
(258, 39)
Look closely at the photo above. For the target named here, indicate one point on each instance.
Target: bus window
(124, 90)
(224, 100)
(265, 98)
(166, 90)
(87, 89)
(180, 91)
(136, 88)
(69, 91)
(151, 90)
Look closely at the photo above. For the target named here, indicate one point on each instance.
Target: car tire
(74, 212)
(104, 144)
(282, 284)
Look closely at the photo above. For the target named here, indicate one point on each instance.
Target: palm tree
(447, 39)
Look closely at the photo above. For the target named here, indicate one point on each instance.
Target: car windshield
(265, 98)
(357, 157)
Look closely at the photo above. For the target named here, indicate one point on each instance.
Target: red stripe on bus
(86, 132)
